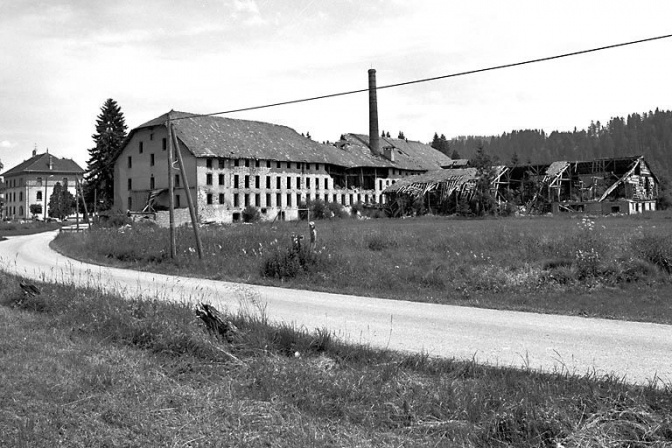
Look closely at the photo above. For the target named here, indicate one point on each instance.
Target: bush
(317, 209)
(251, 214)
(290, 262)
(337, 210)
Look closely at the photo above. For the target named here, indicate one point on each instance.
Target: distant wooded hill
(648, 134)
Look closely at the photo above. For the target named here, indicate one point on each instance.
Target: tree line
(648, 134)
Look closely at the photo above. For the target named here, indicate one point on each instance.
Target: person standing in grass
(313, 236)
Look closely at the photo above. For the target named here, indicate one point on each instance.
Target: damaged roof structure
(603, 186)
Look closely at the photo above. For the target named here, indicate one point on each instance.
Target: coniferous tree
(109, 136)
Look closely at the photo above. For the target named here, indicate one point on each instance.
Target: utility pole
(171, 192)
(192, 210)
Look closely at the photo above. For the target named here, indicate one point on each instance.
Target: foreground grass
(614, 267)
(81, 368)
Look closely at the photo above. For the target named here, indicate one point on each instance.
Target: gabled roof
(408, 155)
(40, 163)
(208, 136)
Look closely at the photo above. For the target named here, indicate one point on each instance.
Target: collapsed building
(616, 185)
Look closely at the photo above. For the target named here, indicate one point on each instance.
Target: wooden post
(192, 210)
(81, 195)
(171, 192)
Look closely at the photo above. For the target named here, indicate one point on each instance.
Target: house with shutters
(32, 182)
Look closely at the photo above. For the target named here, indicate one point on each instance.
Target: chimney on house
(374, 139)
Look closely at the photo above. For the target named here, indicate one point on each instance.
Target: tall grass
(82, 368)
(430, 259)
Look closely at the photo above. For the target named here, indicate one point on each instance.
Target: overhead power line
(435, 78)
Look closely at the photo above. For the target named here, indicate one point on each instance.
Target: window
(257, 200)
(130, 162)
(151, 159)
(177, 201)
(39, 196)
(307, 197)
(130, 184)
(289, 200)
(268, 199)
(221, 198)
(221, 164)
(208, 178)
(268, 182)
(257, 163)
(308, 183)
(278, 199)
(236, 162)
(289, 182)
(151, 136)
(38, 181)
(256, 182)
(141, 147)
(298, 199)
(208, 198)
(317, 166)
(164, 143)
(151, 183)
(308, 166)
(326, 197)
(278, 165)
(277, 183)
(130, 203)
(221, 179)
(208, 163)
(247, 199)
(20, 198)
(298, 182)
(289, 165)
(247, 182)
(235, 200)
(177, 180)
(247, 163)
(268, 164)
(235, 181)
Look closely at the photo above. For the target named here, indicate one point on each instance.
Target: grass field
(16, 228)
(615, 267)
(79, 368)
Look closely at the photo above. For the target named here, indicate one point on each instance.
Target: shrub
(251, 214)
(317, 209)
(337, 210)
(290, 262)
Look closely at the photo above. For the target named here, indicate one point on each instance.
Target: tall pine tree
(109, 136)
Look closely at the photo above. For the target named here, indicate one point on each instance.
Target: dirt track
(637, 351)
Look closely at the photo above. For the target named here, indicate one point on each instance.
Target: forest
(648, 134)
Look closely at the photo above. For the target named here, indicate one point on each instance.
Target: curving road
(639, 352)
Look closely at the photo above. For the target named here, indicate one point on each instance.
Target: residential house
(32, 181)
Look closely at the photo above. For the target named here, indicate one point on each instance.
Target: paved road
(639, 352)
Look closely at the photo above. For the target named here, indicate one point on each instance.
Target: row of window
(12, 183)
(209, 163)
(247, 198)
(11, 197)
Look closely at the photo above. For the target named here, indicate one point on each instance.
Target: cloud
(7, 144)
(249, 6)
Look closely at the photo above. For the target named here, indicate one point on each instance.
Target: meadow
(82, 368)
(615, 266)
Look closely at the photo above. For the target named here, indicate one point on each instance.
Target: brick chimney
(374, 139)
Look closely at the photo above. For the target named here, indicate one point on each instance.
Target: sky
(61, 59)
